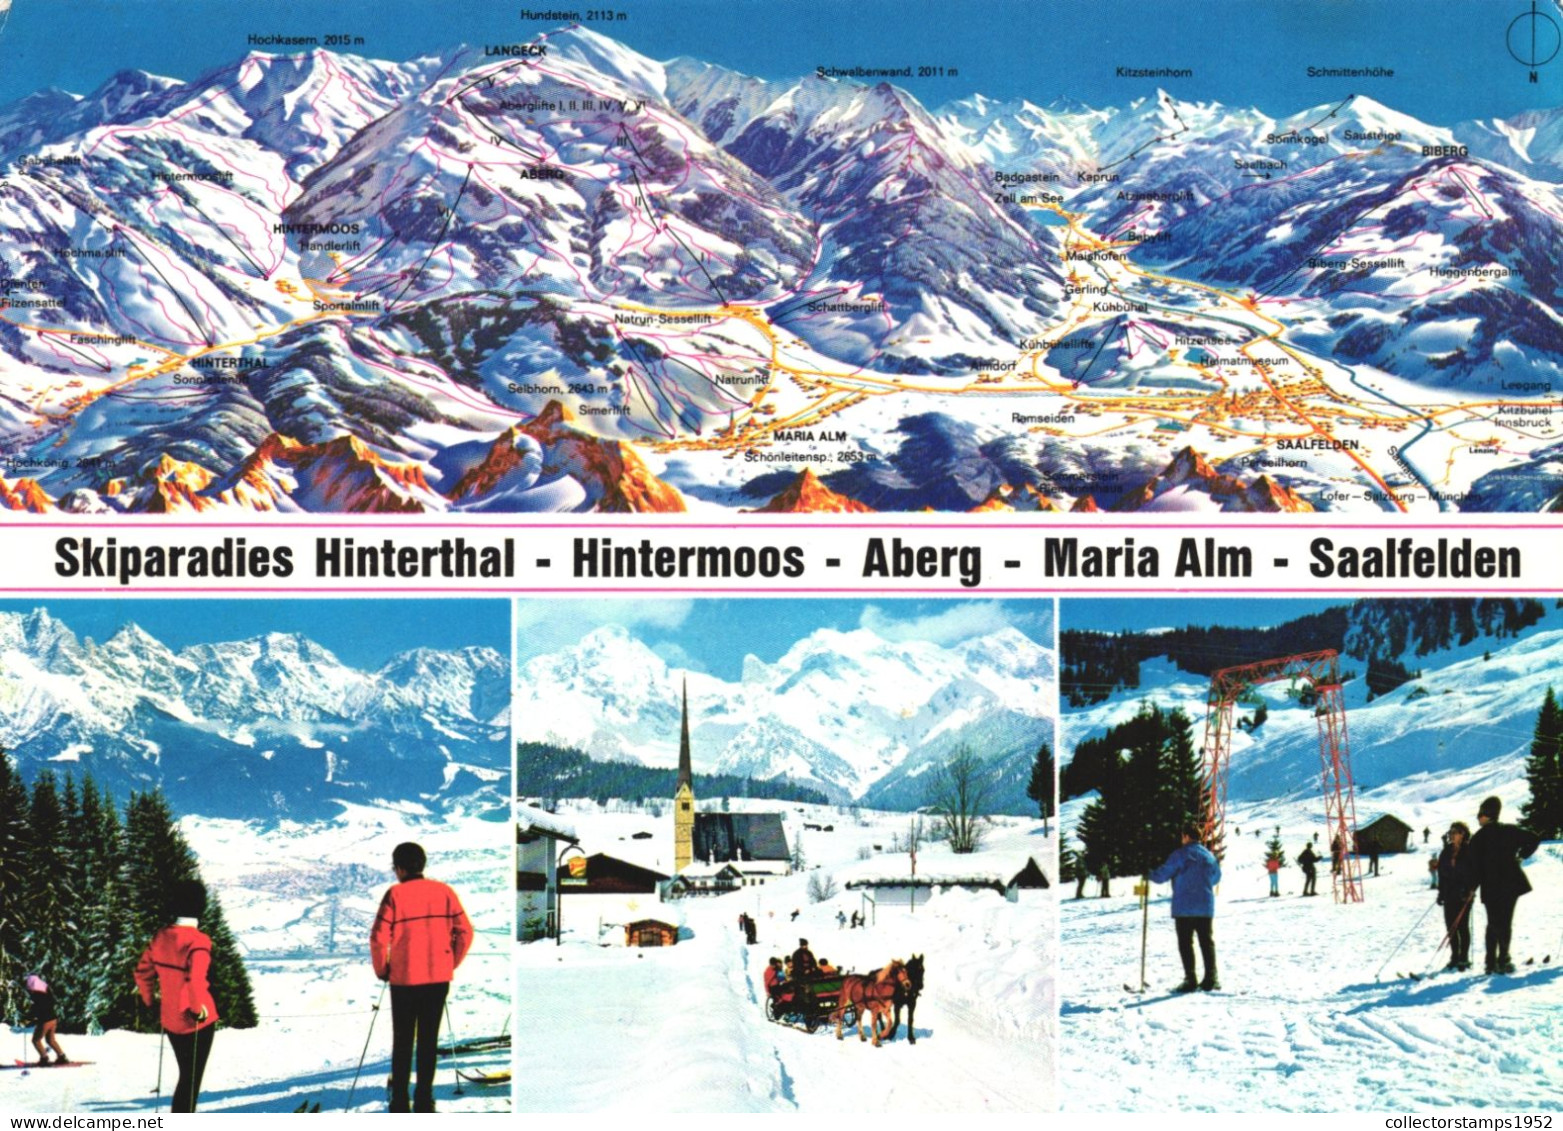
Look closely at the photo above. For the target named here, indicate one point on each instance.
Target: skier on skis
(1455, 896)
(45, 1020)
(420, 936)
(1491, 863)
(1194, 872)
(1308, 860)
(177, 962)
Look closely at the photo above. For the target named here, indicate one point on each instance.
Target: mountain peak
(807, 493)
(609, 57)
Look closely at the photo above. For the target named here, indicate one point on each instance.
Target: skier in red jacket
(177, 961)
(419, 938)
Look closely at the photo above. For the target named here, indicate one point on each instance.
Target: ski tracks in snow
(1305, 1028)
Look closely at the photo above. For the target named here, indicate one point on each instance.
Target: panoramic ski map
(644, 260)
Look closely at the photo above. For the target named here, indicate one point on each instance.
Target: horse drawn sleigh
(847, 999)
(807, 1003)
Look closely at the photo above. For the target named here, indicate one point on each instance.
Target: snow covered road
(683, 1028)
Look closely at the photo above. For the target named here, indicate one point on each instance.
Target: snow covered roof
(700, 869)
(532, 822)
(954, 879)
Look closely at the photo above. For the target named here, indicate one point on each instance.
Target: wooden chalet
(650, 932)
(1388, 832)
(1031, 876)
(608, 875)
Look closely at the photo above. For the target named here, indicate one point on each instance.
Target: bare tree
(822, 886)
(957, 796)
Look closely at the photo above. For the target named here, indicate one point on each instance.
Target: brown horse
(871, 994)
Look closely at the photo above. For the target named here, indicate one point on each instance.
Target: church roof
(740, 836)
(685, 770)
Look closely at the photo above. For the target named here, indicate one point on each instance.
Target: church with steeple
(712, 838)
(684, 798)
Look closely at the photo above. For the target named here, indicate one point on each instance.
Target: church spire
(685, 774)
(684, 798)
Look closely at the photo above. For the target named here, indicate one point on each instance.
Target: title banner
(1255, 557)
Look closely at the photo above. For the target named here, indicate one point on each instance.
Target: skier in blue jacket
(1194, 872)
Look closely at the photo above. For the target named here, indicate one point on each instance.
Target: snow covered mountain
(320, 282)
(274, 725)
(859, 717)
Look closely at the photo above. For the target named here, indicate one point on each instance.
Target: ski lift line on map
(698, 263)
(190, 200)
(1157, 140)
(798, 303)
(497, 138)
(650, 410)
(640, 191)
(439, 240)
(646, 369)
(60, 342)
(349, 267)
(391, 281)
(488, 78)
(1473, 194)
(1327, 117)
(660, 217)
(205, 334)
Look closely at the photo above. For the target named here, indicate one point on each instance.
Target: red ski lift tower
(1316, 676)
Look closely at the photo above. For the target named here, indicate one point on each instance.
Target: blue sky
(363, 634)
(713, 635)
(1140, 614)
(1450, 56)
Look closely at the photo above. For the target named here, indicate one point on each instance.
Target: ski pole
(451, 1029)
(162, 1039)
(1143, 890)
(1402, 942)
(373, 1013)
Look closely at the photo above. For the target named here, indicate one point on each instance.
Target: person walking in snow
(1335, 856)
(1491, 864)
(841, 920)
(1194, 872)
(1373, 856)
(46, 1018)
(176, 964)
(1308, 860)
(1455, 896)
(420, 936)
(1273, 866)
